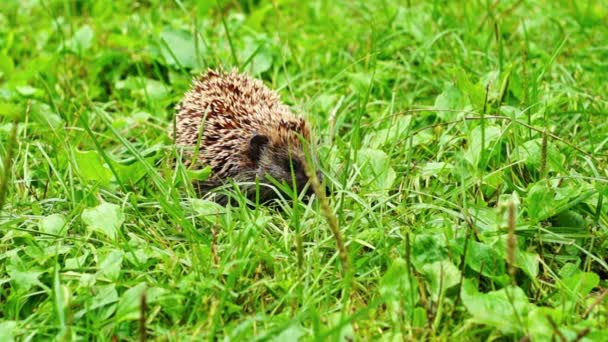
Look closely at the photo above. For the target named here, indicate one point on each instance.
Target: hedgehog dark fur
(247, 133)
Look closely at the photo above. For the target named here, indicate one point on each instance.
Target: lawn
(464, 146)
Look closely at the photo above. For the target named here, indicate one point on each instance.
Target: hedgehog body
(244, 133)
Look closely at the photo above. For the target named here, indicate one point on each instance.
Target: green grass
(465, 144)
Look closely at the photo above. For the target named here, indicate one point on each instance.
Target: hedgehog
(244, 134)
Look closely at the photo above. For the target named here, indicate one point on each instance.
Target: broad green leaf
(92, 167)
(570, 219)
(545, 199)
(513, 112)
(415, 22)
(11, 110)
(139, 256)
(491, 85)
(46, 251)
(492, 183)
(440, 170)
(292, 333)
(27, 90)
(441, 275)
(389, 136)
(450, 103)
(81, 40)
(110, 265)
(52, 224)
(258, 55)
(178, 47)
(8, 330)
(106, 296)
(538, 322)
(427, 249)
(76, 262)
(106, 218)
(144, 88)
(475, 92)
(376, 170)
(598, 335)
(203, 7)
(530, 152)
(130, 173)
(526, 261)
(516, 85)
(208, 210)
(398, 289)
(43, 114)
(419, 318)
(347, 333)
(568, 270)
(6, 65)
(129, 304)
(155, 294)
(87, 280)
(325, 103)
(581, 283)
(24, 279)
(485, 259)
(506, 309)
(540, 201)
(256, 18)
(473, 151)
(486, 222)
(360, 81)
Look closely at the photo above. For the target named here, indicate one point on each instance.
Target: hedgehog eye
(256, 145)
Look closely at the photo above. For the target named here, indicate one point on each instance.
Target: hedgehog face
(285, 165)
